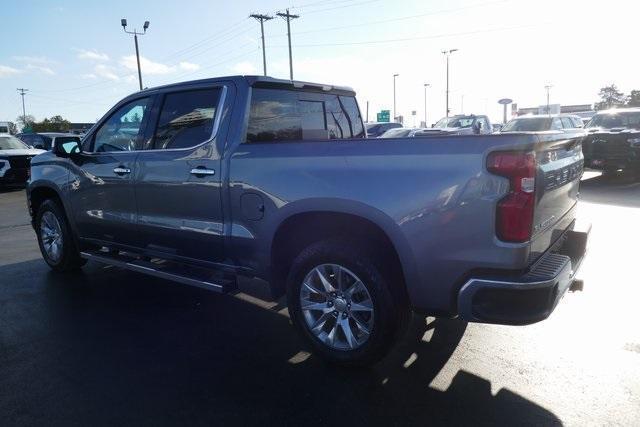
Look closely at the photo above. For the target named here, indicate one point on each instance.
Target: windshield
(630, 119)
(11, 143)
(396, 133)
(535, 124)
(454, 122)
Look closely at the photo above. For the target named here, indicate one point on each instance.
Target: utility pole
(135, 33)
(262, 18)
(548, 88)
(367, 119)
(394, 96)
(22, 92)
(426, 85)
(288, 18)
(447, 53)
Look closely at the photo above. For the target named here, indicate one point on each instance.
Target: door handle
(202, 171)
(121, 171)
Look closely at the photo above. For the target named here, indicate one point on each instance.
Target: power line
(207, 67)
(288, 17)
(401, 18)
(223, 32)
(262, 18)
(434, 36)
(320, 3)
(220, 38)
(343, 6)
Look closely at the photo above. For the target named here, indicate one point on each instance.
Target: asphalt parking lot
(107, 346)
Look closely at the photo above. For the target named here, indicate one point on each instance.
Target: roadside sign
(383, 116)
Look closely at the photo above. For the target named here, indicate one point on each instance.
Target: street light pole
(447, 53)
(135, 33)
(394, 96)
(548, 88)
(426, 85)
(22, 92)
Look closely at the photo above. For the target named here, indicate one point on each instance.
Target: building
(557, 109)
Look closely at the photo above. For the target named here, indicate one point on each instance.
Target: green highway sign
(384, 116)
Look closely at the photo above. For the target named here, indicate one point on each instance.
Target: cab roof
(264, 81)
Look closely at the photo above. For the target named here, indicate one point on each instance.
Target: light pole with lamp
(135, 33)
(447, 53)
(426, 85)
(394, 96)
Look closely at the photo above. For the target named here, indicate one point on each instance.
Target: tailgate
(559, 168)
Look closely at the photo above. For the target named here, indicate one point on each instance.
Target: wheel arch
(37, 194)
(321, 219)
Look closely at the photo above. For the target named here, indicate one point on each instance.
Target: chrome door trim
(214, 131)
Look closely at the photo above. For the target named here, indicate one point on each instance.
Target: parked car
(401, 133)
(459, 125)
(15, 157)
(613, 141)
(5, 128)
(542, 123)
(202, 182)
(47, 140)
(374, 130)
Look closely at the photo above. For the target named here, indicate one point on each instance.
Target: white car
(15, 160)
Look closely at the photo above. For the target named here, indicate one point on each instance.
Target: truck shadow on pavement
(106, 346)
(619, 190)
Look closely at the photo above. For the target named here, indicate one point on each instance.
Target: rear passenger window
(287, 115)
(186, 119)
(274, 116)
(337, 121)
(351, 107)
(313, 120)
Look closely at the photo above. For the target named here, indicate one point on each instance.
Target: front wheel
(342, 305)
(55, 239)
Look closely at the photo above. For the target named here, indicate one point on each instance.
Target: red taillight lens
(514, 213)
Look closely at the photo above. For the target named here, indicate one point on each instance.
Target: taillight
(514, 213)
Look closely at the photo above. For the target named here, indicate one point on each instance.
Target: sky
(76, 61)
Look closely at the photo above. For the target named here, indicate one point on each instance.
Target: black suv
(613, 141)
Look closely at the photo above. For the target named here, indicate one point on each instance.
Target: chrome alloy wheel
(337, 307)
(51, 235)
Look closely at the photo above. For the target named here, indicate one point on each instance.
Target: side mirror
(67, 149)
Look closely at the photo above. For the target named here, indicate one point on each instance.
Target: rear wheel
(342, 305)
(55, 239)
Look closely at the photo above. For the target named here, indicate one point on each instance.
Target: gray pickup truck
(207, 181)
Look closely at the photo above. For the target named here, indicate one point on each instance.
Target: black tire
(391, 310)
(69, 258)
